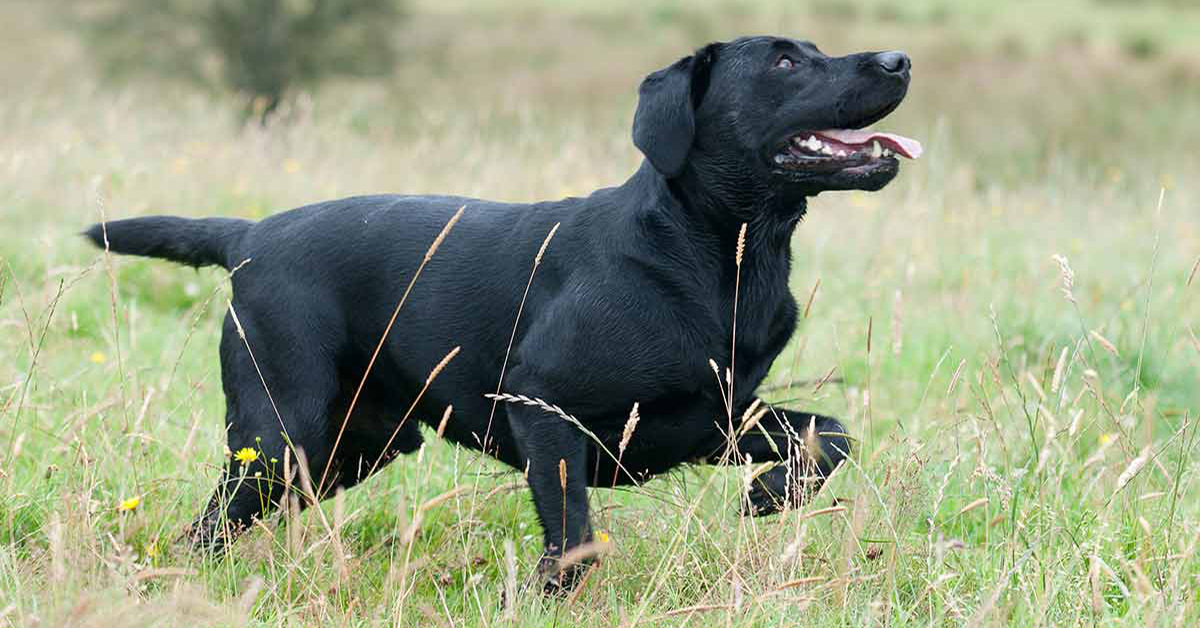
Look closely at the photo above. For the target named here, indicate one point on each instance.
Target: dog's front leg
(555, 456)
(811, 446)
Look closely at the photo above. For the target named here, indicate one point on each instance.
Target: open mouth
(839, 149)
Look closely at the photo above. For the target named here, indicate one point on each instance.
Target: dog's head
(775, 113)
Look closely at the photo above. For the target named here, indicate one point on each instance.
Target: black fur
(195, 242)
(634, 296)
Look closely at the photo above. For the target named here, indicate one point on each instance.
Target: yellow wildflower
(98, 358)
(245, 455)
(129, 505)
(603, 537)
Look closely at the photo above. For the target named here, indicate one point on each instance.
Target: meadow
(1011, 330)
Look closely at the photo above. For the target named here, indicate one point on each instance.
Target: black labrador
(633, 301)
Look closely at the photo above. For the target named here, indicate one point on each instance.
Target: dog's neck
(715, 217)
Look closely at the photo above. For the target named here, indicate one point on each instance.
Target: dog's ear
(665, 122)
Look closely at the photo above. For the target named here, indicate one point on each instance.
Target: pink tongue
(903, 145)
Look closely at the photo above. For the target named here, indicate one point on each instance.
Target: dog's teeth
(825, 148)
(887, 152)
(876, 150)
(841, 153)
(814, 143)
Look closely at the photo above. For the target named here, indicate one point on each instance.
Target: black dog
(632, 300)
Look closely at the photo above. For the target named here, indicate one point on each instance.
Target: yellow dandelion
(98, 357)
(245, 455)
(130, 504)
(1106, 439)
(603, 537)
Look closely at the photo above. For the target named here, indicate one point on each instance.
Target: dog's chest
(752, 336)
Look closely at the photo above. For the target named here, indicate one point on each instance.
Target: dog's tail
(195, 242)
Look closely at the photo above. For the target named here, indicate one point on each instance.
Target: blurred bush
(259, 49)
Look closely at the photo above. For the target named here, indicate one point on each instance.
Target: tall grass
(1027, 406)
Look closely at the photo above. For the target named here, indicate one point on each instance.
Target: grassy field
(1026, 422)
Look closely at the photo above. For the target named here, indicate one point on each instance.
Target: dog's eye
(785, 62)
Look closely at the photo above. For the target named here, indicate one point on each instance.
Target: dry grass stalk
(982, 501)
(237, 323)
(1132, 470)
(437, 369)
(306, 487)
(831, 510)
(1097, 585)
(503, 488)
(630, 426)
(737, 285)
(584, 551)
(812, 295)
(441, 236)
(546, 406)
(441, 365)
(441, 428)
(749, 423)
(1056, 381)
(741, 245)
(1067, 275)
(1037, 388)
(824, 380)
(626, 436)
(1104, 342)
(750, 409)
(798, 582)
(954, 379)
(537, 260)
(512, 338)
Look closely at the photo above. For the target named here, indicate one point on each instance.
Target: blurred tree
(258, 48)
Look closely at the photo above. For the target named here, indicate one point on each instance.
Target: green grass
(1051, 128)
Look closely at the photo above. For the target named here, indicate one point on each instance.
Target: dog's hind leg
(811, 446)
(372, 439)
(287, 407)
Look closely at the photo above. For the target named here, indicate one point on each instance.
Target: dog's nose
(893, 62)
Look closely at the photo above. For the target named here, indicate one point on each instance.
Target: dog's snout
(893, 62)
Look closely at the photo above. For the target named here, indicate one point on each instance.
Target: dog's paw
(780, 488)
(559, 580)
